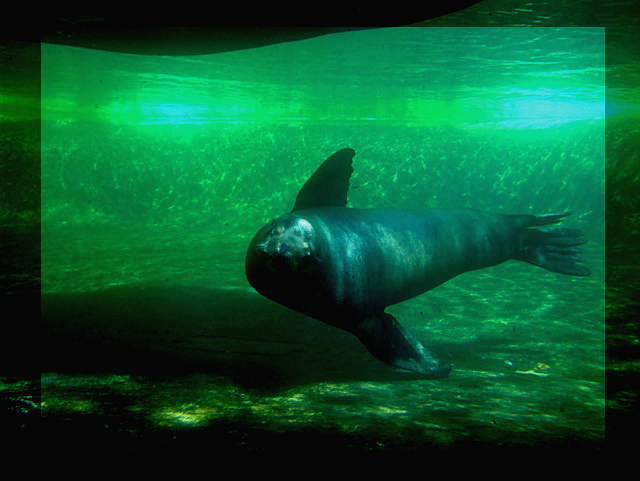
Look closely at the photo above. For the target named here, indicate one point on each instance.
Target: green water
(157, 171)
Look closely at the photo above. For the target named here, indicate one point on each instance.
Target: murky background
(157, 171)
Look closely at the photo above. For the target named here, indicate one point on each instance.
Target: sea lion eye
(307, 251)
(277, 230)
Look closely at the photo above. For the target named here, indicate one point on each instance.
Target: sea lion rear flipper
(554, 248)
(388, 341)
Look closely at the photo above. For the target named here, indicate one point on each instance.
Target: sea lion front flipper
(388, 341)
(329, 184)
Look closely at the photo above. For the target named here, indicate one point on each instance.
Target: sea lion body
(344, 266)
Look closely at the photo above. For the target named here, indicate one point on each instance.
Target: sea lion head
(286, 244)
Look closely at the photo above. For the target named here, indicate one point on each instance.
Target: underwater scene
(156, 172)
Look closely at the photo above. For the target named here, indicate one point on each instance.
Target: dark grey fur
(344, 266)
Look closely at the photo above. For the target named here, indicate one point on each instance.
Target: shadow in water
(162, 330)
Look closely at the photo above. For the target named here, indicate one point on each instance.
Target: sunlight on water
(449, 76)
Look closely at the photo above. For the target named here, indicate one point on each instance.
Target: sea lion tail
(553, 248)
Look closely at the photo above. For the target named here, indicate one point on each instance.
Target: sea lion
(344, 266)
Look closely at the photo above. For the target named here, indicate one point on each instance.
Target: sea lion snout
(289, 243)
(283, 248)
